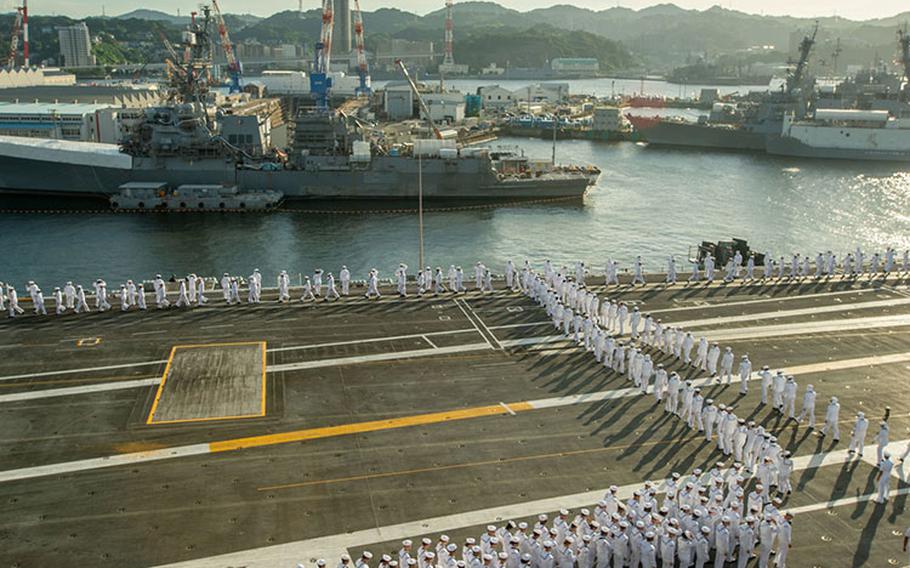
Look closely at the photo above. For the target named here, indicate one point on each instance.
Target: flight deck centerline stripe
(423, 419)
(333, 546)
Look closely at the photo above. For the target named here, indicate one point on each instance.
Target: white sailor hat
(451, 548)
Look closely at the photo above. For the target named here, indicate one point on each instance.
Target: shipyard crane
(423, 104)
(14, 39)
(233, 65)
(320, 82)
(362, 68)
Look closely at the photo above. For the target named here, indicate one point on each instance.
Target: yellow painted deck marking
(361, 427)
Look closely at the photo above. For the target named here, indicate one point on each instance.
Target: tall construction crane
(320, 82)
(233, 65)
(14, 40)
(423, 104)
(362, 68)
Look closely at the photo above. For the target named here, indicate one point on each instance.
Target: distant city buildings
(76, 45)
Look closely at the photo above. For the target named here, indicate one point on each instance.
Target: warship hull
(792, 147)
(385, 177)
(677, 134)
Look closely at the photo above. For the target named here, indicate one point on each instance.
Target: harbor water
(651, 202)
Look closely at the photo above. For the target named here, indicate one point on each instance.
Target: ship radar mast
(797, 76)
(904, 41)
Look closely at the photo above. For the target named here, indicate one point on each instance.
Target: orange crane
(233, 65)
(362, 68)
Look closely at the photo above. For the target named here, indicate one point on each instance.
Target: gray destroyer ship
(743, 127)
(184, 154)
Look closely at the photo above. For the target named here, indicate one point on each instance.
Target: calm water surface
(648, 201)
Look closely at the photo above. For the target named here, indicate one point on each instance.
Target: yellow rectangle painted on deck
(167, 369)
(361, 427)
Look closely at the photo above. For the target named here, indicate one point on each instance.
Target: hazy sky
(854, 9)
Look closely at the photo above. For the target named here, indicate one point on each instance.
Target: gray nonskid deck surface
(334, 364)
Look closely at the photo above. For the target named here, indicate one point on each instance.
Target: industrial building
(496, 97)
(85, 122)
(119, 96)
(398, 103)
(76, 45)
(35, 77)
(445, 107)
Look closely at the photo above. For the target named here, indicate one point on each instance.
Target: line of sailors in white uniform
(192, 288)
(580, 314)
(825, 265)
(682, 521)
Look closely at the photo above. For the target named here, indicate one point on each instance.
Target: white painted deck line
(107, 461)
(755, 332)
(83, 389)
(783, 330)
(806, 369)
(83, 370)
(464, 309)
(332, 547)
(367, 340)
(793, 313)
(378, 357)
(709, 305)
